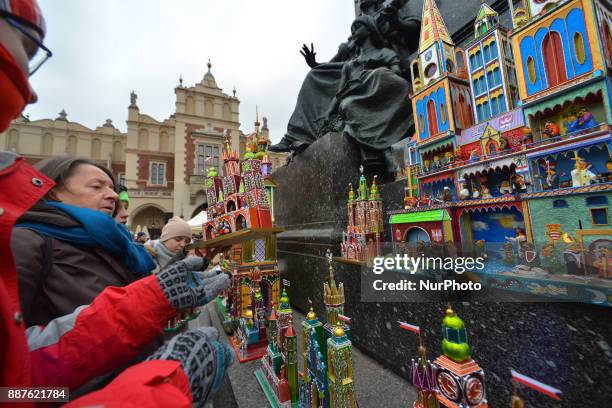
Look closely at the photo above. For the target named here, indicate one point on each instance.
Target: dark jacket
(77, 274)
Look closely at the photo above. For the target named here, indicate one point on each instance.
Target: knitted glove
(203, 357)
(184, 287)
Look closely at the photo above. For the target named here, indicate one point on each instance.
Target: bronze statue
(362, 91)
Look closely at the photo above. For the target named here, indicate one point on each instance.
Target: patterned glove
(185, 288)
(203, 357)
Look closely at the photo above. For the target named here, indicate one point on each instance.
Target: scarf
(97, 230)
(164, 255)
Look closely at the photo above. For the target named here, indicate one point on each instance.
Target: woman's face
(88, 187)
(359, 32)
(177, 244)
(122, 214)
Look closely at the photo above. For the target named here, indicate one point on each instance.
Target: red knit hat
(27, 12)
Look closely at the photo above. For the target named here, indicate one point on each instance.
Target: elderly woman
(68, 247)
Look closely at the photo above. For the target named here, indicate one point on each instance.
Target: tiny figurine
(475, 189)
(551, 130)
(481, 249)
(448, 158)
(464, 193)
(520, 239)
(503, 144)
(552, 180)
(505, 188)
(426, 167)
(436, 163)
(458, 154)
(527, 138)
(581, 175)
(518, 184)
(486, 193)
(603, 263)
(607, 176)
(447, 196)
(584, 121)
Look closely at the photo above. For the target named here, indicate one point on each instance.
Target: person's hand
(203, 357)
(185, 288)
(309, 55)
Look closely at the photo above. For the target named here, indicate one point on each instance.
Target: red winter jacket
(92, 340)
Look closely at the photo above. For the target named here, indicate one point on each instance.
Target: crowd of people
(82, 303)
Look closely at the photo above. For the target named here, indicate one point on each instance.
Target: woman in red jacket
(97, 338)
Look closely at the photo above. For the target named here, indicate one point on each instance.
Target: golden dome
(248, 314)
(450, 311)
(311, 315)
(338, 331)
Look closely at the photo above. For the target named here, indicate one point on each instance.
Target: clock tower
(459, 379)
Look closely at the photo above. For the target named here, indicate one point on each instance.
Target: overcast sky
(104, 49)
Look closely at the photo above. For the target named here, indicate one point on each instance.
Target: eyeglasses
(39, 58)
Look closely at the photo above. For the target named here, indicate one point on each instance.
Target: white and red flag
(536, 385)
(344, 318)
(410, 327)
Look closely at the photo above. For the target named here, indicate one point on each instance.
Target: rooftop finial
(234, 91)
(209, 65)
(181, 81)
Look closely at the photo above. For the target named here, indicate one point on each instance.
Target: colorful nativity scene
(510, 160)
(512, 154)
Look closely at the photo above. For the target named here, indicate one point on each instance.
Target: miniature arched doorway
(231, 206)
(241, 222)
(465, 112)
(554, 61)
(431, 118)
(492, 148)
(416, 234)
(210, 232)
(265, 288)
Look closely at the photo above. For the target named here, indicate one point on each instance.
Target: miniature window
(599, 216)
(560, 204)
(597, 200)
(450, 67)
(493, 50)
(579, 48)
(443, 113)
(531, 70)
(431, 70)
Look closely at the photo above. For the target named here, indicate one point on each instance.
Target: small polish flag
(536, 385)
(344, 318)
(406, 326)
